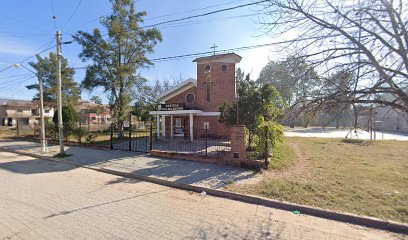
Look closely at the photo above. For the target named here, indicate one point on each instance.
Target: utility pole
(40, 89)
(59, 97)
(40, 92)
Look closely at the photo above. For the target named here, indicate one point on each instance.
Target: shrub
(79, 133)
(90, 138)
(69, 116)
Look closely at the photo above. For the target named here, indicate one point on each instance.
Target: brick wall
(181, 98)
(222, 85)
(238, 142)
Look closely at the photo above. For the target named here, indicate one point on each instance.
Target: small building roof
(15, 103)
(191, 82)
(228, 57)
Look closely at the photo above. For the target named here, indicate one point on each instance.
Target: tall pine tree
(48, 67)
(115, 58)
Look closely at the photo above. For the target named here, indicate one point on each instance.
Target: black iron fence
(203, 142)
(126, 137)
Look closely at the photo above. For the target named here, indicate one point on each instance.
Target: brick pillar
(238, 150)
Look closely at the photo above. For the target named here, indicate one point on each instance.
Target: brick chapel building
(191, 109)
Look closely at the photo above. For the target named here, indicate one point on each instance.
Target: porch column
(164, 126)
(171, 126)
(191, 127)
(158, 125)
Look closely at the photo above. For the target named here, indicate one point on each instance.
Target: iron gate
(128, 139)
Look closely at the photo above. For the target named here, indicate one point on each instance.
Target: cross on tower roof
(213, 47)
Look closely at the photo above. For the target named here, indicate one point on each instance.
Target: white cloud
(13, 46)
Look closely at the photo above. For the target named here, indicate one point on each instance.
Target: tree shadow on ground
(35, 166)
(181, 171)
(66, 212)
(188, 172)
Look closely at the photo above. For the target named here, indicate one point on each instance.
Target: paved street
(48, 200)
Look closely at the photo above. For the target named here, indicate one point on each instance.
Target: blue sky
(27, 26)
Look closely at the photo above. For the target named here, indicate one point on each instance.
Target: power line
(204, 14)
(193, 10)
(199, 15)
(28, 58)
(177, 57)
(73, 13)
(198, 54)
(21, 22)
(166, 15)
(53, 14)
(183, 24)
(13, 84)
(15, 76)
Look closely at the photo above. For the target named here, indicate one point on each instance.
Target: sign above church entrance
(172, 107)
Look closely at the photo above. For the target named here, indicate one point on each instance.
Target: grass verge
(282, 157)
(366, 179)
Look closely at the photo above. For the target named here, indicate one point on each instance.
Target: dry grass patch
(366, 178)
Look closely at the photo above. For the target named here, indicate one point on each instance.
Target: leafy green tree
(116, 56)
(146, 100)
(294, 79)
(48, 65)
(69, 118)
(257, 106)
(96, 99)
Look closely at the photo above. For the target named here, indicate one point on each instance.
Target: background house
(94, 116)
(27, 113)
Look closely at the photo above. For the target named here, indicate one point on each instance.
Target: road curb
(304, 209)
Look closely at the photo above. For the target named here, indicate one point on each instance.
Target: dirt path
(300, 167)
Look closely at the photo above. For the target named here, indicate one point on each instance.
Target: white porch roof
(191, 82)
(185, 112)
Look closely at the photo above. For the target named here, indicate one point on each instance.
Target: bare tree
(366, 37)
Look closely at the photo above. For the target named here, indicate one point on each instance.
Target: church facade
(191, 109)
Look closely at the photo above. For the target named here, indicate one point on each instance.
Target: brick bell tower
(216, 80)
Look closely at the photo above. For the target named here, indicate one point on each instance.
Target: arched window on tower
(207, 69)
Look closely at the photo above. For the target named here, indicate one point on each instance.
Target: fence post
(151, 136)
(130, 132)
(55, 131)
(18, 127)
(206, 140)
(111, 137)
(266, 154)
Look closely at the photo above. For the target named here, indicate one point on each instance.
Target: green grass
(6, 132)
(282, 157)
(366, 179)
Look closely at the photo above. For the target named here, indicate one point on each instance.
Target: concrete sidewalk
(179, 171)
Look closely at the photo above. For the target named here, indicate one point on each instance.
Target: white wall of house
(30, 113)
(390, 120)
